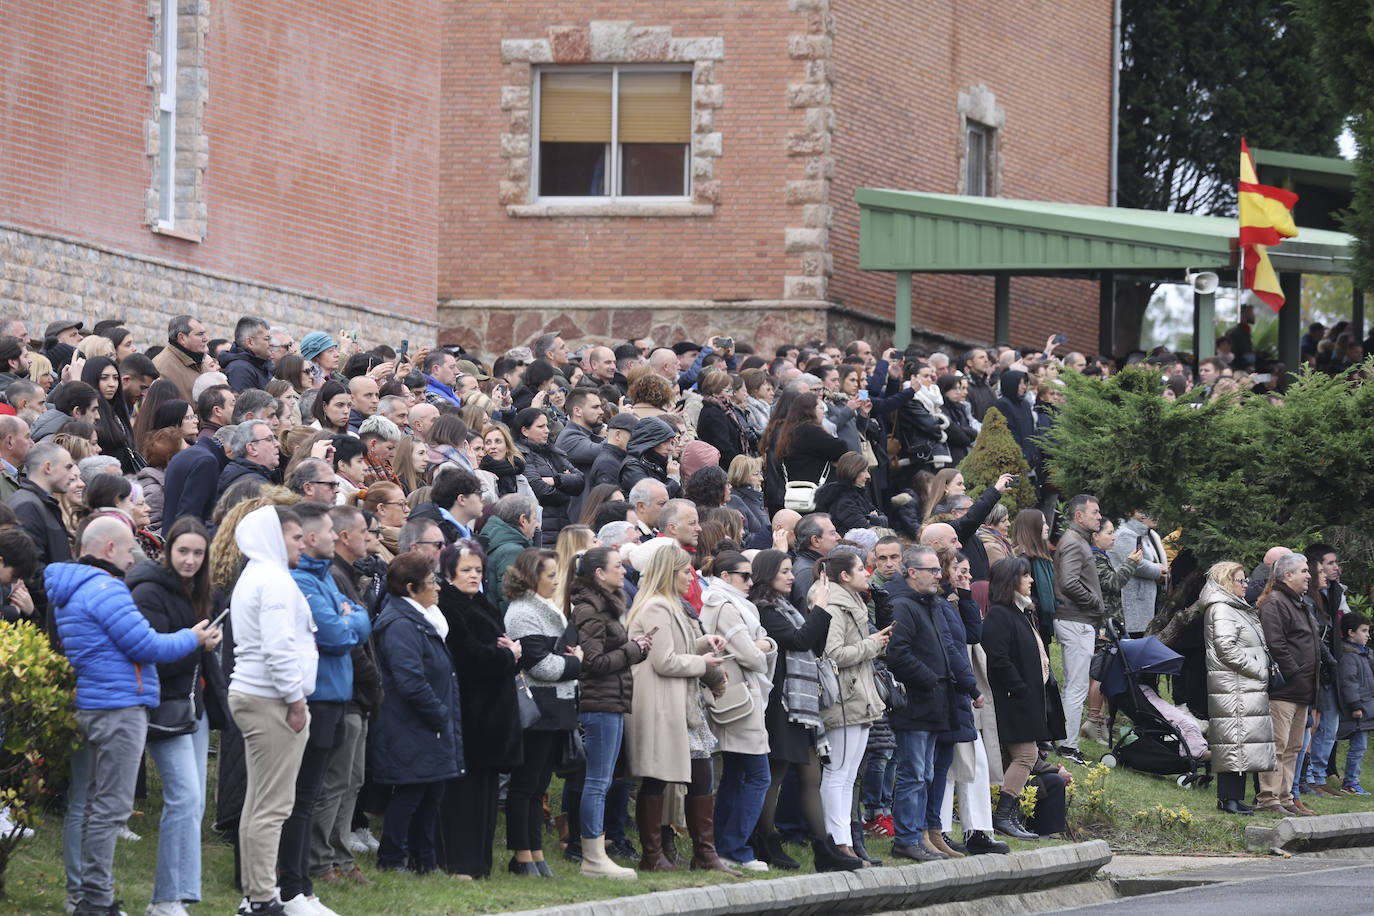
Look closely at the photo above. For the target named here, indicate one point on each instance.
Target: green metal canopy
(946, 233)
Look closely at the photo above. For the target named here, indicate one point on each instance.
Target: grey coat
(1138, 594)
(1239, 731)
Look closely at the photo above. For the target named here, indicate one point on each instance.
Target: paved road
(1345, 889)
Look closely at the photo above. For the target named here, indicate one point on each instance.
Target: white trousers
(975, 797)
(847, 747)
(1076, 640)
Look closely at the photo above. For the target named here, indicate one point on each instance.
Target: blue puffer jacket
(335, 634)
(107, 639)
(954, 635)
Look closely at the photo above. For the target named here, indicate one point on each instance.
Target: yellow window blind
(575, 107)
(655, 107)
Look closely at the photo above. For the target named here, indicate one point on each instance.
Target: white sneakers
(126, 834)
(166, 908)
(301, 905)
(361, 841)
(751, 865)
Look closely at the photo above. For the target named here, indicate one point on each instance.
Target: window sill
(173, 232)
(617, 208)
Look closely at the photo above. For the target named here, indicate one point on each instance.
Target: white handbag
(800, 495)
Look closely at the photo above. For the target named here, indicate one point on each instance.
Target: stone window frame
(609, 43)
(180, 106)
(978, 108)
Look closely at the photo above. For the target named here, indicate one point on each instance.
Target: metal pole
(901, 337)
(1204, 327)
(1001, 310)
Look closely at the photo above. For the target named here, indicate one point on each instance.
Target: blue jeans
(602, 733)
(915, 771)
(744, 780)
(944, 759)
(1300, 765)
(1323, 736)
(879, 772)
(76, 814)
(180, 761)
(1354, 756)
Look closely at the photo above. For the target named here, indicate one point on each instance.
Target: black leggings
(699, 786)
(808, 792)
(1231, 786)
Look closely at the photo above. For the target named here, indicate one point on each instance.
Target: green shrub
(38, 725)
(995, 453)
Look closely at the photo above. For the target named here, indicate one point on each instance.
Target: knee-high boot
(701, 825)
(649, 819)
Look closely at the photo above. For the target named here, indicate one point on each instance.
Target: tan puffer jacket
(853, 649)
(1240, 732)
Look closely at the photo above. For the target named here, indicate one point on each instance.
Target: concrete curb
(1301, 834)
(869, 891)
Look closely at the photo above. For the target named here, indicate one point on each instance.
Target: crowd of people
(742, 596)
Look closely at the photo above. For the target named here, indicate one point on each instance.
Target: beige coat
(667, 692)
(177, 369)
(986, 718)
(1239, 730)
(850, 646)
(729, 614)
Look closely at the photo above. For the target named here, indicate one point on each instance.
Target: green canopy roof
(946, 233)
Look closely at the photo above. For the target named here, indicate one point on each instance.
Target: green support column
(1001, 310)
(1357, 315)
(1290, 320)
(901, 337)
(1204, 326)
(1106, 313)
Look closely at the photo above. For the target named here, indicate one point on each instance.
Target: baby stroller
(1152, 744)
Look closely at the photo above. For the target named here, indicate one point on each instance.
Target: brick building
(618, 169)
(276, 158)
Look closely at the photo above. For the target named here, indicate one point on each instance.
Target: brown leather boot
(701, 825)
(649, 819)
(937, 839)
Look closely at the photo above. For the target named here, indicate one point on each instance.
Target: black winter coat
(244, 370)
(417, 737)
(159, 594)
(721, 429)
(367, 677)
(41, 518)
(956, 651)
(486, 681)
(848, 506)
(605, 468)
(649, 464)
(608, 653)
(238, 468)
(758, 532)
(1014, 675)
(550, 461)
(789, 741)
(916, 656)
(1019, 415)
(966, 528)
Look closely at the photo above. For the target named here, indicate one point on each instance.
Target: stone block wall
(45, 276)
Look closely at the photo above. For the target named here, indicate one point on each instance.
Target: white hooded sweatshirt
(274, 634)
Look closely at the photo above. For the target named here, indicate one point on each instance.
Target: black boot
(856, 835)
(1006, 819)
(778, 856)
(830, 858)
(980, 842)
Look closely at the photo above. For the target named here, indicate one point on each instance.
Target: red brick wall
(737, 253)
(322, 125)
(899, 70)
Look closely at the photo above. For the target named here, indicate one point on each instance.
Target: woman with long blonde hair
(572, 540)
(667, 734)
(412, 463)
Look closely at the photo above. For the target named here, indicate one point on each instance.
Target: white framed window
(613, 133)
(167, 118)
(978, 141)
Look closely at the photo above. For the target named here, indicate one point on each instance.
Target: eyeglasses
(266, 439)
(925, 569)
(331, 484)
(429, 543)
(401, 504)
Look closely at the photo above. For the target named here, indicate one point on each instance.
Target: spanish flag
(1266, 219)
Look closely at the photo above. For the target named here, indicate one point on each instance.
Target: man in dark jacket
(967, 522)
(192, 480)
(246, 364)
(50, 471)
(256, 455)
(816, 537)
(1333, 608)
(605, 467)
(1078, 611)
(916, 657)
(332, 819)
(978, 369)
(579, 439)
(1019, 414)
(649, 447)
(1292, 634)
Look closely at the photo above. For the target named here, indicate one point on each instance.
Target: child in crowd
(1356, 682)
